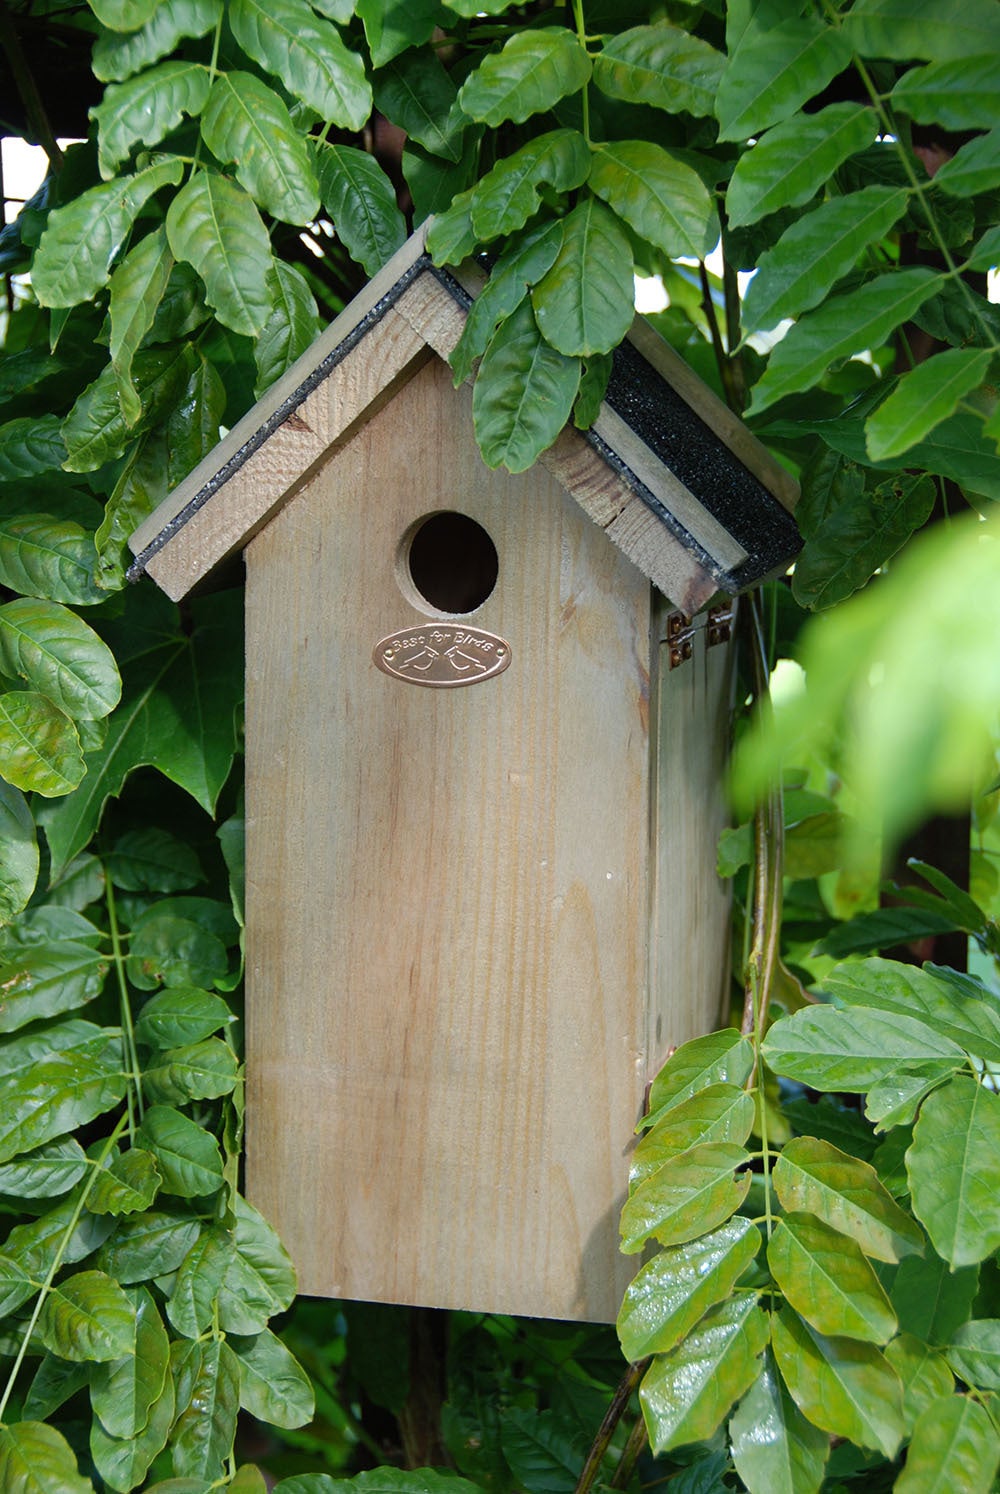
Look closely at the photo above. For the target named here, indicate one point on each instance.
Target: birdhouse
(485, 738)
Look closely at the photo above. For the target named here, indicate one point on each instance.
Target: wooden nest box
(479, 916)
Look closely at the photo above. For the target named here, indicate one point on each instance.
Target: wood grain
(447, 903)
(689, 933)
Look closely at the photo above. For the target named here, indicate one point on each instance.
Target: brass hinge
(680, 638)
(681, 630)
(720, 623)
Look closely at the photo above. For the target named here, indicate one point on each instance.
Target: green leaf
(959, 93)
(126, 1186)
(122, 15)
(247, 123)
(152, 860)
(179, 1016)
(882, 929)
(415, 92)
(951, 1167)
(891, 986)
(202, 1438)
(972, 169)
(815, 251)
(29, 445)
(148, 1245)
(60, 1094)
(291, 328)
(955, 1445)
(841, 1385)
(924, 1374)
(511, 193)
(123, 1462)
(584, 304)
(845, 324)
(36, 1459)
(96, 430)
(41, 556)
(288, 39)
(791, 162)
(721, 1112)
(858, 537)
(123, 1391)
(39, 745)
(391, 26)
(55, 1381)
(54, 651)
(46, 1172)
(541, 1450)
(198, 1071)
(974, 1353)
(690, 1194)
(137, 288)
(361, 202)
(213, 225)
(187, 1155)
(932, 1301)
(177, 713)
(260, 1280)
(273, 1386)
(775, 1449)
(932, 29)
(774, 73)
(470, 8)
(722, 1057)
(594, 382)
(518, 268)
(523, 395)
(16, 1285)
(829, 1049)
(173, 951)
(662, 66)
(660, 198)
(146, 109)
(924, 397)
(674, 1290)
(87, 1317)
(75, 254)
(685, 1394)
(845, 1193)
(192, 1301)
(533, 71)
(47, 979)
(119, 55)
(825, 1277)
(18, 855)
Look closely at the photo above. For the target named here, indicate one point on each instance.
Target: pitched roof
(670, 474)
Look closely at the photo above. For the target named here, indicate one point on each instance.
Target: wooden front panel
(447, 890)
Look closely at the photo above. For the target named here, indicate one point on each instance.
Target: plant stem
(131, 1057)
(581, 34)
(57, 1261)
(637, 1439)
(768, 884)
(606, 1430)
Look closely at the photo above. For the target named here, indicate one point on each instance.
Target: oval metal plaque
(442, 655)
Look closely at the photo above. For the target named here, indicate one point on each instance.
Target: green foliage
(814, 1270)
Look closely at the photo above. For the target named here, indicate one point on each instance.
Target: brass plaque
(442, 654)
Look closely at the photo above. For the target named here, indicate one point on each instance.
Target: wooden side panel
(447, 889)
(690, 956)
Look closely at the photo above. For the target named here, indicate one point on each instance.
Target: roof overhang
(672, 476)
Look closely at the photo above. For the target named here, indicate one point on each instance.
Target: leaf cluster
(837, 1283)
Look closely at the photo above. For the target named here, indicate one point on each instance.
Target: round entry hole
(452, 562)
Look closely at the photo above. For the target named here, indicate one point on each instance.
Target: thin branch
(605, 1432)
(27, 88)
